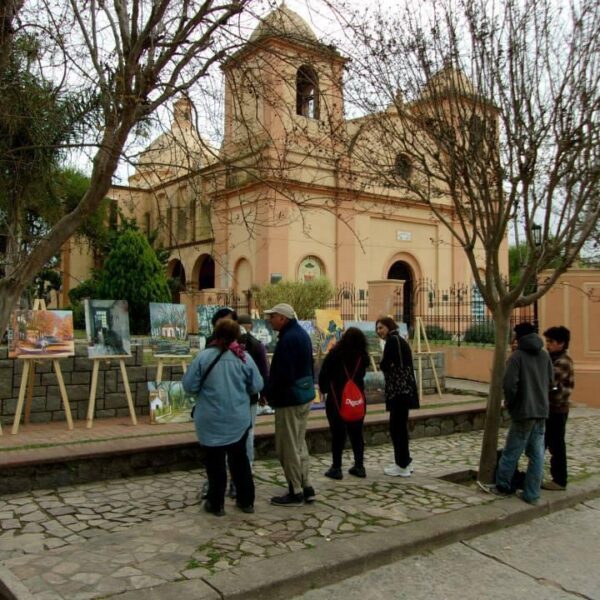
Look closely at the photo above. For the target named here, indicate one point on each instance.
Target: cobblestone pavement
(96, 540)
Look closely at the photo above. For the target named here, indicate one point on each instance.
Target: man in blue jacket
(290, 391)
(527, 382)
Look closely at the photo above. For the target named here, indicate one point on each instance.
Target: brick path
(93, 541)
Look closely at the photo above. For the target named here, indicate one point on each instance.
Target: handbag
(303, 389)
(400, 384)
(205, 375)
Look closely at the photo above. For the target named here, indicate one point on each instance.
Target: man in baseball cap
(290, 390)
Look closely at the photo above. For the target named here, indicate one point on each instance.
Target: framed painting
(169, 402)
(107, 328)
(205, 314)
(330, 326)
(41, 333)
(168, 329)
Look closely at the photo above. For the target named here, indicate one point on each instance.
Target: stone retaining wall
(77, 372)
(110, 395)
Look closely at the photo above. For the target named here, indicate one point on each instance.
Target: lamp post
(536, 232)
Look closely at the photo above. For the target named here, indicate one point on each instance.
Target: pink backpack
(352, 405)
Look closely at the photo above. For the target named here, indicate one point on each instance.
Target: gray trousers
(290, 444)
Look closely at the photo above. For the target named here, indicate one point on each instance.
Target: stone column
(384, 296)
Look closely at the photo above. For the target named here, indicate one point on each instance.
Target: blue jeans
(528, 436)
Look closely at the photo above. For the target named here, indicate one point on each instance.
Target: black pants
(339, 429)
(239, 466)
(555, 442)
(399, 435)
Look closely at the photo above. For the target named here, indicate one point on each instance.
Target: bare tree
(131, 57)
(487, 111)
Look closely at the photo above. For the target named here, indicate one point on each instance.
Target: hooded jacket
(528, 380)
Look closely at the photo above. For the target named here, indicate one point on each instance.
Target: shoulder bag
(400, 383)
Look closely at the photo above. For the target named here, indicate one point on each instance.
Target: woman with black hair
(348, 359)
(397, 363)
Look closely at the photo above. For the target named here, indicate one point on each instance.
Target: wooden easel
(183, 358)
(420, 331)
(27, 379)
(92, 401)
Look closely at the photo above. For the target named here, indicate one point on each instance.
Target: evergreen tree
(133, 272)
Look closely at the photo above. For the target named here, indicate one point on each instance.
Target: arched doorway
(206, 274)
(176, 271)
(402, 270)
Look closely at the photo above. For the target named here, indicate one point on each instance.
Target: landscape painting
(262, 331)
(107, 328)
(43, 333)
(168, 329)
(330, 326)
(205, 314)
(169, 402)
(374, 342)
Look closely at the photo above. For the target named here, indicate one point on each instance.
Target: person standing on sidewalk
(400, 393)
(222, 377)
(290, 391)
(526, 383)
(348, 359)
(557, 343)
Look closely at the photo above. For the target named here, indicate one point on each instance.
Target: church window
(307, 93)
(403, 166)
(310, 268)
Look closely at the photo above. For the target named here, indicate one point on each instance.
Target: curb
(286, 576)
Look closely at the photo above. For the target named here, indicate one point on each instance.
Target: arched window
(310, 268)
(403, 166)
(307, 92)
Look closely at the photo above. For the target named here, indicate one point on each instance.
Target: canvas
(169, 402)
(168, 328)
(107, 328)
(205, 314)
(262, 331)
(330, 326)
(374, 342)
(314, 334)
(43, 333)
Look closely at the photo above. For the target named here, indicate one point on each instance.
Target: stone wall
(110, 395)
(77, 372)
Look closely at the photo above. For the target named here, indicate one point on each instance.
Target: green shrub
(481, 333)
(305, 297)
(435, 332)
(133, 272)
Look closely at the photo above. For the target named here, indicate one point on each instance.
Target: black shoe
(334, 473)
(246, 509)
(288, 500)
(232, 493)
(357, 471)
(309, 494)
(204, 491)
(217, 511)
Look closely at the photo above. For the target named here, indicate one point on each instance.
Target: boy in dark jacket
(557, 342)
(527, 381)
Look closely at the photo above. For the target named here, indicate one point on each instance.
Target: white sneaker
(396, 471)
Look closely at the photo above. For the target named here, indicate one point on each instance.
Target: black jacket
(292, 359)
(528, 379)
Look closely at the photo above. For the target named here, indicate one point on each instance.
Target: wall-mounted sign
(276, 277)
(403, 236)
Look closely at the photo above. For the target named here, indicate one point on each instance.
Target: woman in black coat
(349, 357)
(397, 356)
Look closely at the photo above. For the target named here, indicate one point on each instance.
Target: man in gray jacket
(527, 382)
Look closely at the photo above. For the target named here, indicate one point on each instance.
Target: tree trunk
(489, 446)
(10, 291)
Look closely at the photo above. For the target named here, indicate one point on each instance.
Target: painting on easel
(43, 333)
(330, 326)
(107, 328)
(169, 402)
(168, 328)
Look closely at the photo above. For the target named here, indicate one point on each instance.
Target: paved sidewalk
(123, 536)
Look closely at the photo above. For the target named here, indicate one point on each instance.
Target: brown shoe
(553, 486)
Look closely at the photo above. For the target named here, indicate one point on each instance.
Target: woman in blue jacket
(223, 377)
